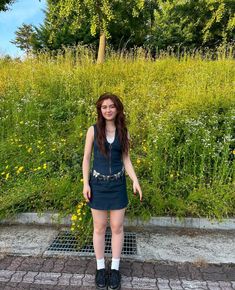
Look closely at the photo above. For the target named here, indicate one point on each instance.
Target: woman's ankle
(100, 263)
(115, 264)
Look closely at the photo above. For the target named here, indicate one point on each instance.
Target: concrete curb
(173, 222)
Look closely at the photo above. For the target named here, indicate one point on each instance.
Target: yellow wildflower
(72, 229)
(81, 179)
(20, 169)
(233, 152)
(171, 175)
(80, 219)
(44, 166)
(138, 161)
(74, 217)
(29, 149)
(81, 134)
(39, 167)
(7, 175)
(39, 141)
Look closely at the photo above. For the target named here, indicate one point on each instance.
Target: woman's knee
(116, 228)
(99, 228)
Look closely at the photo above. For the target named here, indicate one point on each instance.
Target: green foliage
(4, 4)
(154, 24)
(25, 37)
(213, 201)
(68, 23)
(82, 224)
(99, 14)
(207, 23)
(180, 115)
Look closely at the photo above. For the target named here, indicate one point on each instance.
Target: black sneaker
(114, 282)
(101, 279)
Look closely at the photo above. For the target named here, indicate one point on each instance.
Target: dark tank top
(113, 162)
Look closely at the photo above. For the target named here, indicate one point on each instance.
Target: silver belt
(115, 176)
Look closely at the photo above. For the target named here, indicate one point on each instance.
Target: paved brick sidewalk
(63, 273)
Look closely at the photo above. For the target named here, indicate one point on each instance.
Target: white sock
(115, 264)
(100, 264)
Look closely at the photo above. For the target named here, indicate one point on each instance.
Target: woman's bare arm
(131, 172)
(86, 161)
(129, 167)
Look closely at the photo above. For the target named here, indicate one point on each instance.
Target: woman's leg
(100, 222)
(116, 224)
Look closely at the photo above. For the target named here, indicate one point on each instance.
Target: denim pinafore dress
(107, 194)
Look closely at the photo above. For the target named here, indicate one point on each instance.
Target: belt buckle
(95, 173)
(108, 177)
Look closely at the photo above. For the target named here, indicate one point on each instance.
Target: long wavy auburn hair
(120, 123)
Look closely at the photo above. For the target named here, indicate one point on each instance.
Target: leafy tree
(127, 31)
(97, 14)
(220, 25)
(56, 32)
(25, 37)
(71, 27)
(193, 23)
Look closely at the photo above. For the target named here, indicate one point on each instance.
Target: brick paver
(78, 273)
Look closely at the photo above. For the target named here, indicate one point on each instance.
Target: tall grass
(180, 112)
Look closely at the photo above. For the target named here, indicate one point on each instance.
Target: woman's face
(108, 110)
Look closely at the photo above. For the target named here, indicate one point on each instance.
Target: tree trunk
(101, 51)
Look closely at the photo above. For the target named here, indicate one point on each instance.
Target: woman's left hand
(136, 187)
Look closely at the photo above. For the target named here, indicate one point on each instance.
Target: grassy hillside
(181, 118)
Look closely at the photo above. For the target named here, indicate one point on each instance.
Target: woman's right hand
(87, 192)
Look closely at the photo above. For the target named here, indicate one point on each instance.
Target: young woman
(105, 185)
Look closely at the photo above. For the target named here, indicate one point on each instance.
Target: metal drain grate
(66, 242)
